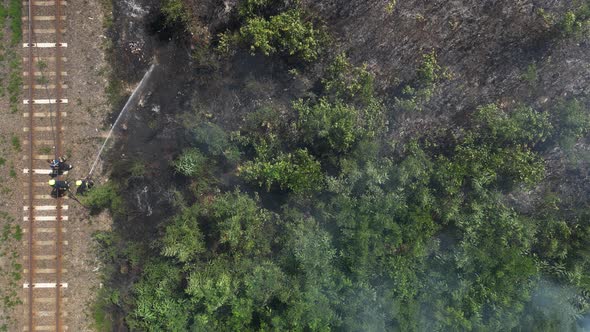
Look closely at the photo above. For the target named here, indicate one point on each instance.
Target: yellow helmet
(51, 182)
(78, 182)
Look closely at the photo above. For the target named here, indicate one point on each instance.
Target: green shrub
(416, 95)
(286, 33)
(174, 10)
(430, 71)
(190, 163)
(522, 125)
(240, 223)
(572, 120)
(336, 126)
(157, 305)
(215, 142)
(298, 172)
(576, 22)
(104, 197)
(227, 43)
(261, 8)
(569, 24)
(343, 80)
(531, 75)
(182, 238)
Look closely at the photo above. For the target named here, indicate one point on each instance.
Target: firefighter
(84, 186)
(59, 188)
(58, 166)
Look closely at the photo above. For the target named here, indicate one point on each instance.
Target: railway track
(44, 103)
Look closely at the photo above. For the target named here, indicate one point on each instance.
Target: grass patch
(100, 310)
(16, 143)
(45, 150)
(10, 275)
(137, 169)
(15, 14)
(531, 74)
(42, 65)
(2, 161)
(15, 81)
(114, 90)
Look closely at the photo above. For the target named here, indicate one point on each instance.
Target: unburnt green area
(10, 271)
(11, 37)
(335, 225)
(10, 148)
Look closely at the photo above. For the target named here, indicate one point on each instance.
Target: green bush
(182, 237)
(576, 22)
(174, 10)
(430, 71)
(334, 127)
(260, 8)
(190, 163)
(343, 80)
(572, 120)
(137, 168)
(216, 142)
(104, 197)
(415, 96)
(298, 172)
(239, 223)
(531, 75)
(522, 125)
(286, 33)
(158, 305)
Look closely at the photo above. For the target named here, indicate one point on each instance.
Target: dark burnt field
(411, 166)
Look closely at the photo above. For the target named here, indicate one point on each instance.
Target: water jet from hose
(130, 102)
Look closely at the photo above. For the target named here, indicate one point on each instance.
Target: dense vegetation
(337, 226)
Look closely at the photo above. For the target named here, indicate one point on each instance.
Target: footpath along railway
(44, 102)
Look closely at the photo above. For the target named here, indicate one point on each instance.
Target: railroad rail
(43, 63)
